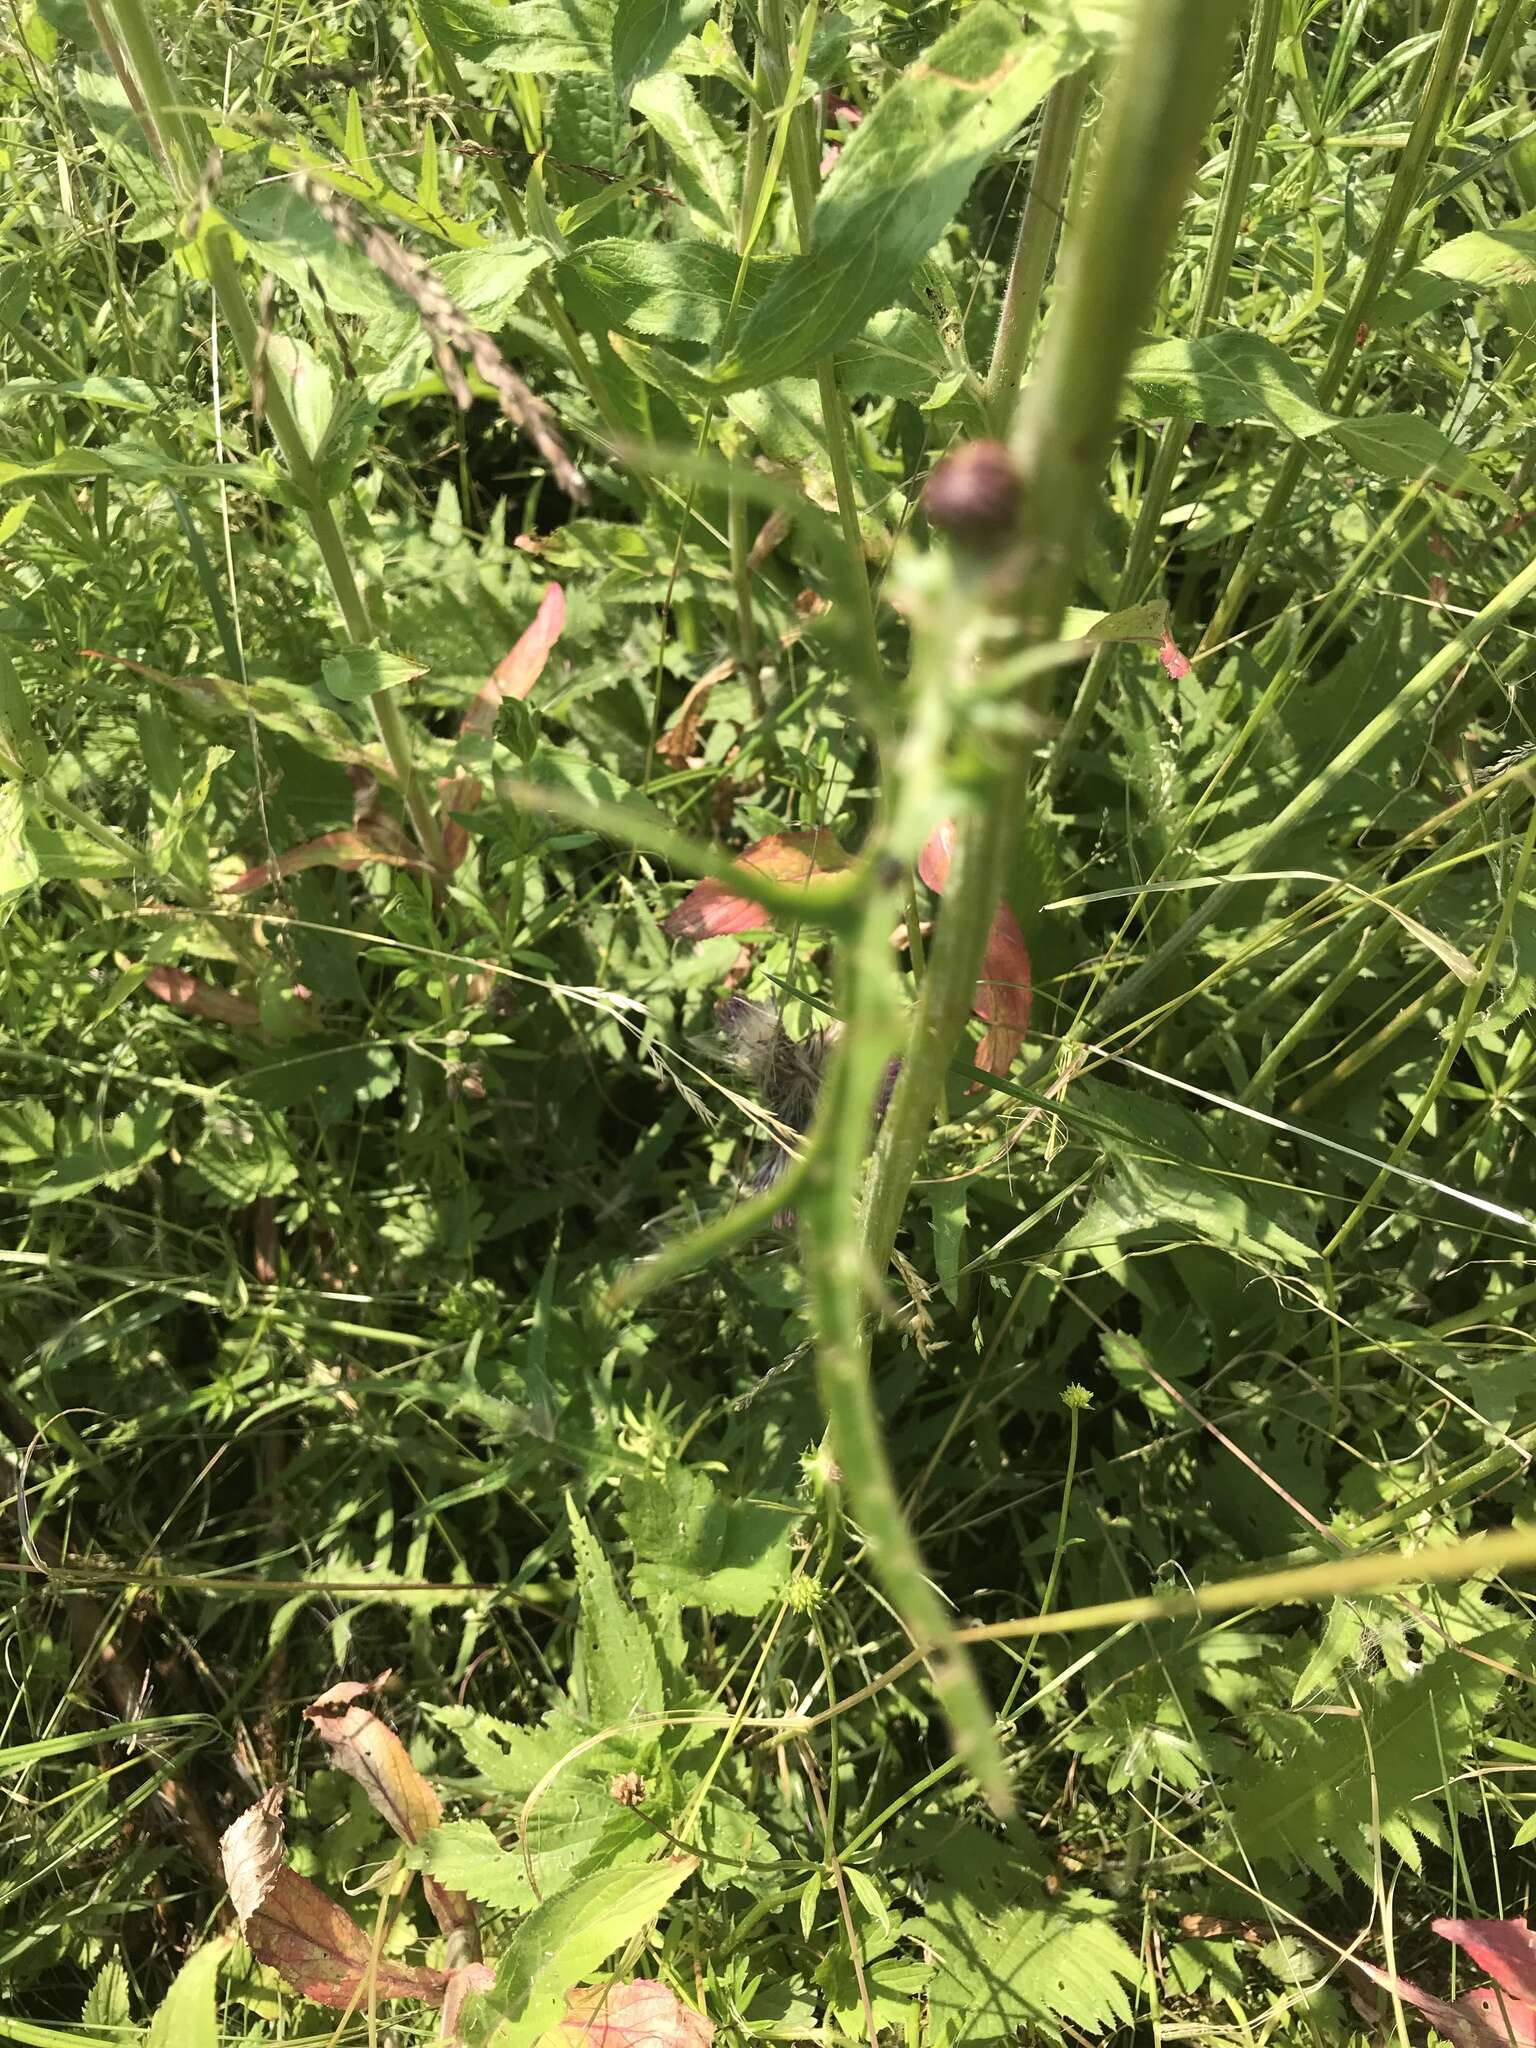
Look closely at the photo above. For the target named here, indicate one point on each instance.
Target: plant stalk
(1253, 108)
(1450, 49)
(1037, 237)
(1159, 101)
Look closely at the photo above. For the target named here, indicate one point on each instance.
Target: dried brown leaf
(322, 1952)
(252, 1852)
(371, 1752)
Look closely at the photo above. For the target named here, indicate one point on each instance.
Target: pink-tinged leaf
(348, 848)
(1168, 654)
(322, 1952)
(641, 2014)
(1004, 994)
(712, 908)
(196, 998)
(472, 1977)
(516, 673)
(370, 1751)
(1505, 1949)
(1460, 2023)
(294, 1928)
(1005, 989)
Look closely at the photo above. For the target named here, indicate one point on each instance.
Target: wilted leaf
(322, 1952)
(196, 998)
(252, 1851)
(1004, 988)
(517, 672)
(640, 2014)
(711, 908)
(1504, 1949)
(372, 1753)
(346, 848)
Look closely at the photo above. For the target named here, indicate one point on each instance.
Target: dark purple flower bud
(972, 496)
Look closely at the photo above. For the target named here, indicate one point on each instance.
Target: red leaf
(1506, 1949)
(711, 908)
(291, 1925)
(348, 848)
(201, 999)
(1176, 664)
(1005, 990)
(516, 673)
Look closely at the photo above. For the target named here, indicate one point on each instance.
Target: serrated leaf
(106, 2003)
(646, 32)
(700, 1550)
(106, 1154)
(568, 1937)
(242, 1156)
(897, 185)
(702, 169)
(488, 284)
(1026, 1966)
(467, 1857)
(1318, 1800)
(619, 1674)
(1404, 447)
(679, 291)
(548, 36)
(1221, 378)
(355, 673)
(1487, 257)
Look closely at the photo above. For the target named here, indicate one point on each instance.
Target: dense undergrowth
(322, 1155)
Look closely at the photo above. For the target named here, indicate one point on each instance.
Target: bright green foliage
(322, 1174)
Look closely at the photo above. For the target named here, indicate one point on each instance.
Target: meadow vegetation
(979, 1493)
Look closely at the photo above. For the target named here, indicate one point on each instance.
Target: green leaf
(569, 1937)
(134, 464)
(1487, 257)
(1221, 378)
(487, 284)
(106, 2003)
(188, 2017)
(1319, 1799)
(106, 1155)
(1405, 447)
(548, 36)
(617, 1672)
(125, 394)
(697, 1549)
(292, 238)
(19, 870)
(679, 291)
(702, 168)
(240, 1158)
(466, 1856)
(646, 32)
(1170, 1179)
(353, 673)
(898, 184)
(1023, 1966)
(946, 1206)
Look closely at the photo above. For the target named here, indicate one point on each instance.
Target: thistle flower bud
(972, 497)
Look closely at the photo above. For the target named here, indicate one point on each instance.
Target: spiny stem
(1160, 99)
